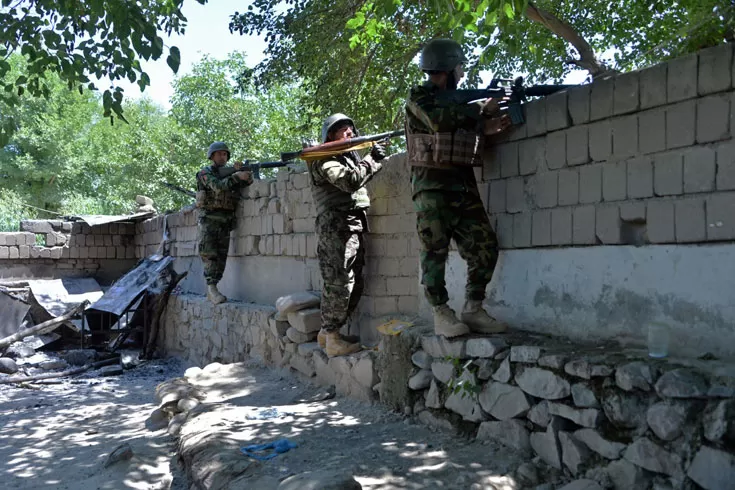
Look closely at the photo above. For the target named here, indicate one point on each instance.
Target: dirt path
(60, 435)
(381, 449)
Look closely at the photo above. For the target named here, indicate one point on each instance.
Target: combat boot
(321, 338)
(447, 324)
(214, 295)
(475, 316)
(337, 346)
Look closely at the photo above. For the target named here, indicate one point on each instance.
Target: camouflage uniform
(447, 201)
(338, 186)
(217, 198)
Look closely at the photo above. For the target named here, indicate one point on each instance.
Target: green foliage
(65, 157)
(358, 57)
(459, 384)
(76, 40)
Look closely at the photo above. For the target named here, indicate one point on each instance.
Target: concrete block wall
(642, 158)
(55, 248)
(273, 249)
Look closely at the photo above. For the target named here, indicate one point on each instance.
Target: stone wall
(609, 415)
(273, 249)
(55, 248)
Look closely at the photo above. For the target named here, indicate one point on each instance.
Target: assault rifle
(337, 147)
(516, 92)
(176, 188)
(228, 170)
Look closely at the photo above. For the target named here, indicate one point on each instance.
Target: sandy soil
(58, 436)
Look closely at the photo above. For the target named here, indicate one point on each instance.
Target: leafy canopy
(358, 56)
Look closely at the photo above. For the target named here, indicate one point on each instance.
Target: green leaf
(174, 59)
(21, 80)
(356, 21)
(508, 9)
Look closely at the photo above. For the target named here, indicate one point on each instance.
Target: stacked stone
(18, 245)
(623, 422)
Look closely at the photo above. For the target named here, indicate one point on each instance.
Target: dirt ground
(60, 435)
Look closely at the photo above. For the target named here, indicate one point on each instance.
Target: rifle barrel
(543, 90)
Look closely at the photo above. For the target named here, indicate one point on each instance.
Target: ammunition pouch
(445, 150)
(216, 201)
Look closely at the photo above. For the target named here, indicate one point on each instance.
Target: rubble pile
(611, 417)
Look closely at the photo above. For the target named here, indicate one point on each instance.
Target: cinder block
(541, 228)
(668, 175)
(690, 222)
(715, 69)
(408, 305)
(652, 131)
(713, 118)
(583, 225)
(607, 224)
(536, 117)
(625, 96)
(557, 114)
(682, 79)
(515, 195)
(625, 136)
(522, 230)
(699, 169)
(640, 177)
(721, 216)
(601, 98)
(652, 83)
(505, 230)
(13, 252)
(660, 221)
(556, 150)
(4, 253)
(726, 166)
(497, 196)
(531, 155)
(578, 150)
(24, 251)
(614, 181)
(508, 157)
(396, 247)
(306, 321)
(491, 163)
(545, 188)
(633, 211)
(681, 124)
(568, 186)
(579, 104)
(600, 135)
(561, 226)
(401, 286)
(385, 305)
(590, 183)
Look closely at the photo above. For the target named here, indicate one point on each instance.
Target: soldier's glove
(378, 152)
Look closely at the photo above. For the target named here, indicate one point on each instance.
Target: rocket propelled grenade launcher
(336, 147)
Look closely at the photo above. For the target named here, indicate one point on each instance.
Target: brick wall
(55, 248)
(275, 224)
(642, 158)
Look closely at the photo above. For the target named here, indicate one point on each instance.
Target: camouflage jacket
(425, 115)
(338, 183)
(216, 193)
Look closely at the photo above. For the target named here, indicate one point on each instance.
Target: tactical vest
(216, 200)
(445, 150)
(327, 196)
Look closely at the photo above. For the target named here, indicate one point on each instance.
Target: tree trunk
(587, 59)
(45, 327)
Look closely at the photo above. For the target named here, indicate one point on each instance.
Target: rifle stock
(337, 147)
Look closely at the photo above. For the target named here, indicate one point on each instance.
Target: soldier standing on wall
(216, 199)
(338, 187)
(444, 143)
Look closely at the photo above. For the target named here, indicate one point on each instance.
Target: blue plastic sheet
(278, 447)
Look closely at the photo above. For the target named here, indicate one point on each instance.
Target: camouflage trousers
(442, 216)
(213, 235)
(341, 253)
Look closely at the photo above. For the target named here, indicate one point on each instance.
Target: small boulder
(8, 366)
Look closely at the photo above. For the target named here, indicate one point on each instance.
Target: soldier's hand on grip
(496, 125)
(378, 152)
(238, 165)
(492, 106)
(244, 175)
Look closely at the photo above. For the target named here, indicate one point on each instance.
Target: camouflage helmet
(441, 55)
(334, 120)
(217, 146)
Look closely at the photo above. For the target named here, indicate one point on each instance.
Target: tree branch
(587, 59)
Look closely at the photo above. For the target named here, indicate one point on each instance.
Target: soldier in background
(338, 187)
(216, 198)
(444, 143)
